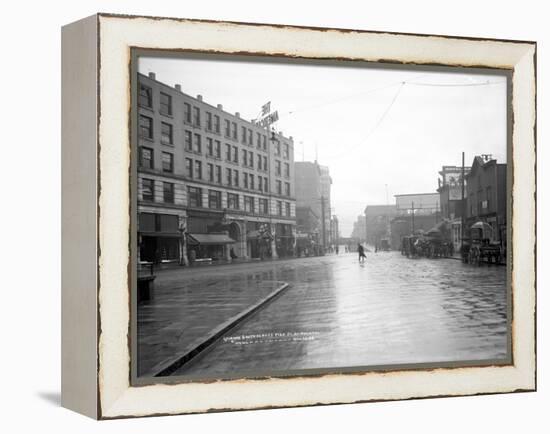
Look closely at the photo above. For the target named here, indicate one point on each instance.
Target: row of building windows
(194, 198)
(193, 143)
(192, 116)
(148, 191)
(233, 178)
(214, 150)
(193, 170)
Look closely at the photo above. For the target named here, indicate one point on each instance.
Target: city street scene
(298, 217)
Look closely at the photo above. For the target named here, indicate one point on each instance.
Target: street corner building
(317, 229)
(211, 185)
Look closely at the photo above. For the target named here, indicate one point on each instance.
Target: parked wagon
(478, 248)
(408, 248)
(439, 243)
(435, 243)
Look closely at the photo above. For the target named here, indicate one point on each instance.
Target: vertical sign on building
(267, 118)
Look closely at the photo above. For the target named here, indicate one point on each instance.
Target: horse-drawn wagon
(477, 247)
(435, 243)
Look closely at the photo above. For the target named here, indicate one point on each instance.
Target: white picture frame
(96, 257)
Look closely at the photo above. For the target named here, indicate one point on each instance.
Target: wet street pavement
(188, 305)
(339, 313)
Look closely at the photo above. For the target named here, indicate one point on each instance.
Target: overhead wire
(392, 102)
(354, 95)
(373, 130)
(337, 100)
(485, 83)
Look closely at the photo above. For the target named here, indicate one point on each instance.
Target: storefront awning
(210, 239)
(160, 234)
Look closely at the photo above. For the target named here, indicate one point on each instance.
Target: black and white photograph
(242, 217)
(297, 217)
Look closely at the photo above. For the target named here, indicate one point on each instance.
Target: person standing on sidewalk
(361, 252)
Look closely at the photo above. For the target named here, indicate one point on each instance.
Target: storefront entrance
(159, 249)
(284, 240)
(158, 237)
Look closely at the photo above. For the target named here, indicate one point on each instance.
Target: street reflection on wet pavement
(188, 307)
(340, 313)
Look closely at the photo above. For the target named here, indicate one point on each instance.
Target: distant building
(334, 230)
(326, 183)
(415, 212)
(487, 196)
(313, 191)
(359, 232)
(450, 199)
(378, 222)
(307, 231)
(419, 203)
(308, 185)
(210, 184)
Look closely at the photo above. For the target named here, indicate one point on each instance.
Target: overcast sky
(378, 136)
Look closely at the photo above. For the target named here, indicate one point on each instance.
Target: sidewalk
(181, 318)
(221, 262)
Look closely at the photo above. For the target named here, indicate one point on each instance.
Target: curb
(202, 343)
(175, 266)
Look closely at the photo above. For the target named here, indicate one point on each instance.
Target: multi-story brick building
(210, 184)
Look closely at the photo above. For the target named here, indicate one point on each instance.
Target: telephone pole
(323, 224)
(463, 213)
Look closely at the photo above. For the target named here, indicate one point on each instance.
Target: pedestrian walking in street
(361, 252)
